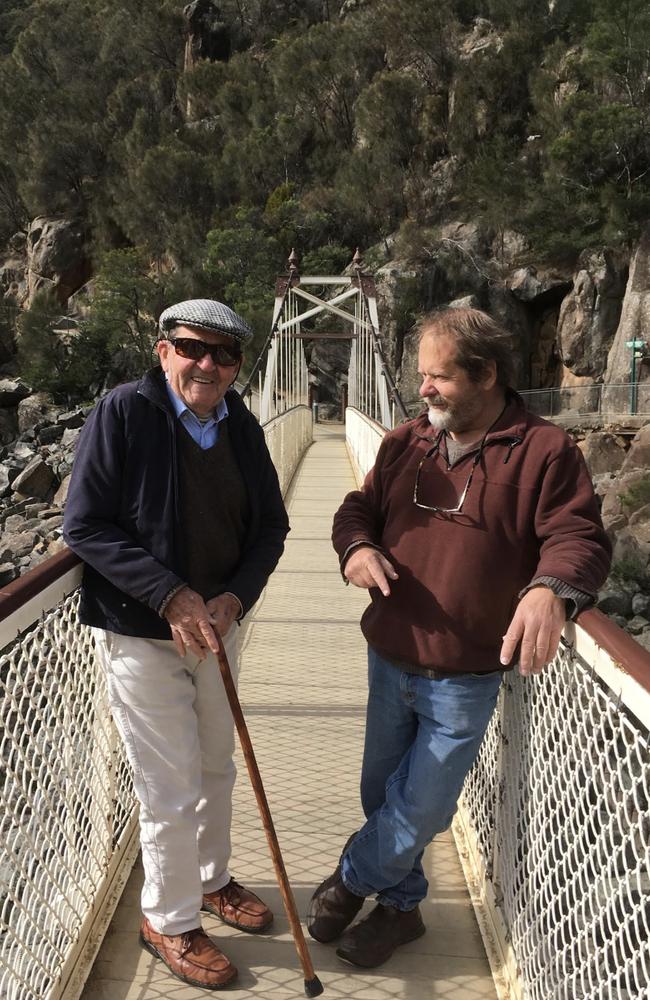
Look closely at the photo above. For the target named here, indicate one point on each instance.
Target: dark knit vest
(214, 512)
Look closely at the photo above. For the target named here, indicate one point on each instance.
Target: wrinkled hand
(191, 624)
(223, 612)
(537, 624)
(367, 568)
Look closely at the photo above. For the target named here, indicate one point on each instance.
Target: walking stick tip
(313, 987)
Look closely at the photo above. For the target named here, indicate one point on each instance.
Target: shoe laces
(231, 893)
(188, 939)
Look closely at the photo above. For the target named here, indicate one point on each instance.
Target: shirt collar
(181, 408)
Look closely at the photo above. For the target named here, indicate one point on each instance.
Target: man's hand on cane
(224, 610)
(191, 623)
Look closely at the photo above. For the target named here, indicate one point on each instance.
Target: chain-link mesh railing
(68, 821)
(553, 825)
(65, 795)
(557, 815)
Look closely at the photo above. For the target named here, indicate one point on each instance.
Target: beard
(455, 417)
(439, 419)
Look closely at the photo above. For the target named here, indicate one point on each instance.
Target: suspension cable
(292, 268)
(357, 262)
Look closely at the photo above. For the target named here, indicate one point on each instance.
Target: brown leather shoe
(332, 906)
(374, 939)
(192, 957)
(238, 907)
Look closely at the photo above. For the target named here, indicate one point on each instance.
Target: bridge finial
(294, 260)
(357, 260)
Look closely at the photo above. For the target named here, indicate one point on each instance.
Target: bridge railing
(553, 826)
(68, 818)
(631, 398)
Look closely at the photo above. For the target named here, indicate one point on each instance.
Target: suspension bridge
(541, 891)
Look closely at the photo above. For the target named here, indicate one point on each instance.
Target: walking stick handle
(313, 985)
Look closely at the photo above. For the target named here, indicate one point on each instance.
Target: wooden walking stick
(313, 985)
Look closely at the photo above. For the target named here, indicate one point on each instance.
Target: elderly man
(175, 508)
(477, 533)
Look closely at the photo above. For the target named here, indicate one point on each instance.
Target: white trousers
(174, 719)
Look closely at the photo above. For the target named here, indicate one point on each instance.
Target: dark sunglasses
(194, 350)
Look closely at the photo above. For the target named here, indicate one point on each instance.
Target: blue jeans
(422, 737)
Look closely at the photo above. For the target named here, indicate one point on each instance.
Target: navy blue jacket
(122, 509)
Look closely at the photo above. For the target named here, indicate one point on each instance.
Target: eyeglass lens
(221, 354)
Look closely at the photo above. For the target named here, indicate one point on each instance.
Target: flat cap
(208, 315)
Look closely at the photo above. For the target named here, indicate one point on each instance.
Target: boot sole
(148, 946)
(373, 965)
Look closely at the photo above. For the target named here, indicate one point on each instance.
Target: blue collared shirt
(205, 434)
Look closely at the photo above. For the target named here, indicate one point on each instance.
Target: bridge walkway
(302, 688)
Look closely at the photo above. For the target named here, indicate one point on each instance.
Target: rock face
(56, 257)
(634, 323)
(208, 35)
(626, 516)
(589, 315)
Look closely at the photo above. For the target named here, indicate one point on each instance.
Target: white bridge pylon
(286, 382)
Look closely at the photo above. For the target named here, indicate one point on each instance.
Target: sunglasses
(194, 350)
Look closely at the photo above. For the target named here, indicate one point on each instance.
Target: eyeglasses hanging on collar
(430, 454)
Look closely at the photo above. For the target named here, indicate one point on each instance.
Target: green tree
(49, 358)
(126, 301)
(240, 267)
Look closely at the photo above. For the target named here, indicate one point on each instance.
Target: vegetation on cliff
(321, 124)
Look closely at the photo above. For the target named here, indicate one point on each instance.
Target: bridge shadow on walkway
(302, 688)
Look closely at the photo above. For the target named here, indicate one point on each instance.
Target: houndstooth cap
(208, 315)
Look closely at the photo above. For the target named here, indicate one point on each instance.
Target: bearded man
(477, 533)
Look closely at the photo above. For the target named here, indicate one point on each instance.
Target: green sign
(635, 344)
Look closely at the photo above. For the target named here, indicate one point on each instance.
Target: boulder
(17, 545)
(638, 455)
(614, 602)
(36, 410)
(509, 247)
(70, 436)
(8, 572)
(61, 494)
(50, 433)
(641, 605)
(482, 38)
(541, 285)
(632, 550)
(57, 257)
(8, 425)
(637, 625)
(12, 391)
(603, 452)
(36, 479)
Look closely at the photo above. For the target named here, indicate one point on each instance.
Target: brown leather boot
(238, 907)
(332, 906)
(192, 956)
(374, 939)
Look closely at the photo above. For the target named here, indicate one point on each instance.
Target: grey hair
(478, 339)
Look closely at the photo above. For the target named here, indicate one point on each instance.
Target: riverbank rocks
(35, 471)
(626, 515)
